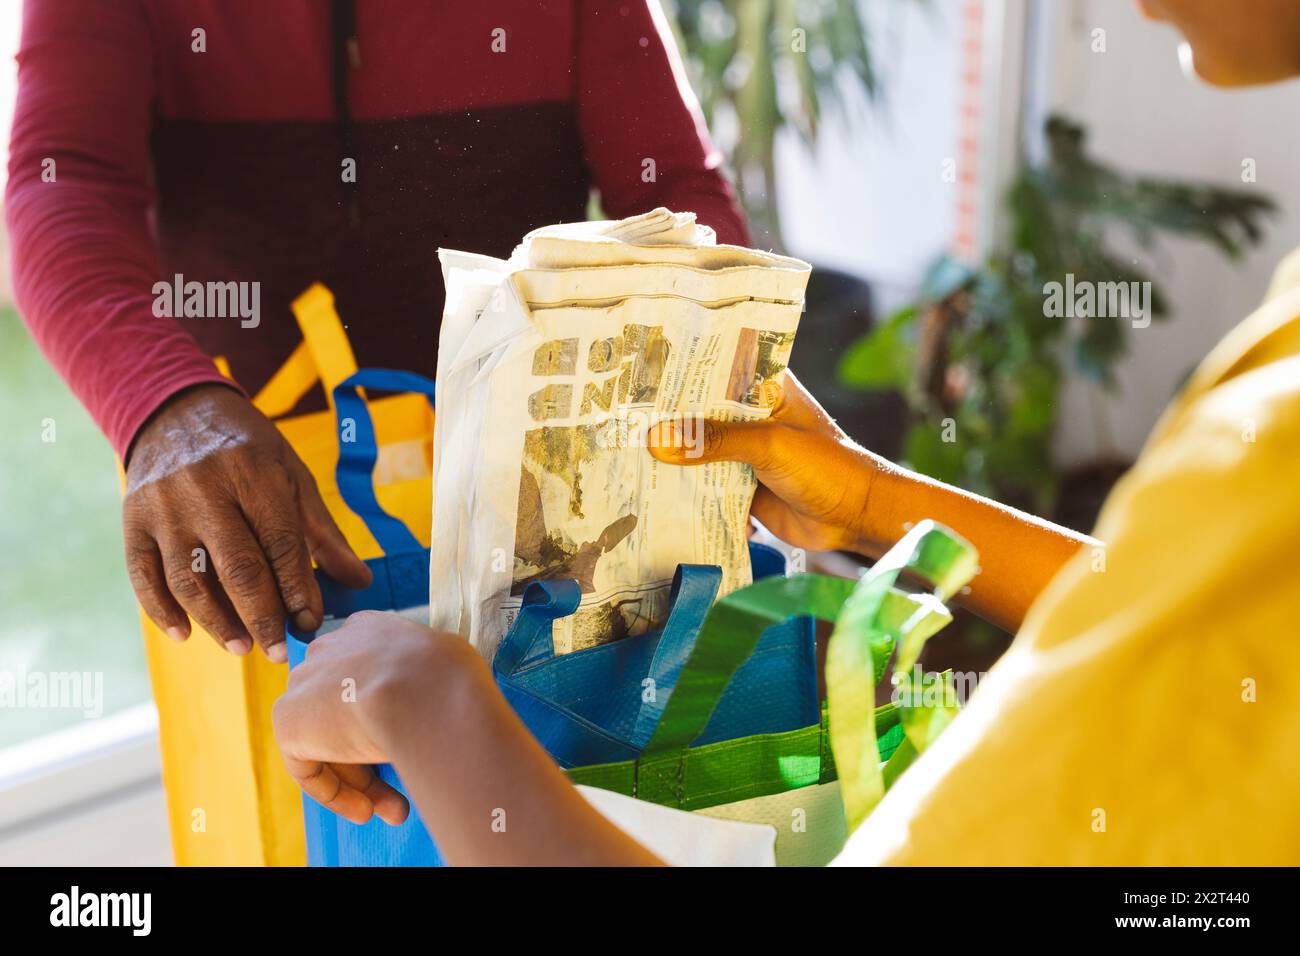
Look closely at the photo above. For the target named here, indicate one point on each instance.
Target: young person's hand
(819, 490)
(350, 696)
(382, 689)
(814, 481)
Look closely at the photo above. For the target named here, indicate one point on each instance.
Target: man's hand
(221, 520)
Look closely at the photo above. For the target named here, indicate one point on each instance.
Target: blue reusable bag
(775, 690)
(601, 704)
(588, 707)
(401, 582)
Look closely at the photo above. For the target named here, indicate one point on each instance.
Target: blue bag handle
(694, 588)
(529, 638)
(356, 467)
(544, 602)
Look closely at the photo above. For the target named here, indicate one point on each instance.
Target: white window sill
(90, 795)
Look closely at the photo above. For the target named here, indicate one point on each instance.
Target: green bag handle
(727, 638)
(733, 626)
(872, 615)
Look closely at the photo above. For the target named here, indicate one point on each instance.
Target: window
(70, 645)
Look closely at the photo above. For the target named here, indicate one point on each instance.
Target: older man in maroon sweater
(218, 140)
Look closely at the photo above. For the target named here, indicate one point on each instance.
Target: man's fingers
(192, 582)
(250, 586)
(330, 549)
(695, 441)
(145, 568)
(276, 526)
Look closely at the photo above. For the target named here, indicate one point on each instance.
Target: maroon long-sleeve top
(208, 138)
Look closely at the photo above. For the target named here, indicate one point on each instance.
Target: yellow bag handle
(323, 334)
(288, 385)
(324, 355)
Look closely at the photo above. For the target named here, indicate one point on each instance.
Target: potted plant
(980, 356)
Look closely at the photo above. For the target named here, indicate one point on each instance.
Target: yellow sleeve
(1149, 710)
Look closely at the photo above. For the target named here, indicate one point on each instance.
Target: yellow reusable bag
(229, 800)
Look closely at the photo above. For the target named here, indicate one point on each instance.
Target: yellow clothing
(1149, 710)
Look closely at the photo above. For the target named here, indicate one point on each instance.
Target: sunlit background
(899, 155)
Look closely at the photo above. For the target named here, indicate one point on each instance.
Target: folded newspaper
(552, 367)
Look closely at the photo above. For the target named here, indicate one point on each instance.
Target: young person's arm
(384, 689)
(820, 490)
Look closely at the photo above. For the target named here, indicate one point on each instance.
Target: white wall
(1144, 114)
(870, 199)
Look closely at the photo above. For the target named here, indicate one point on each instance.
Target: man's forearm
(76, 204)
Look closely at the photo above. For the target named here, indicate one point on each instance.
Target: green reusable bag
(815, 784)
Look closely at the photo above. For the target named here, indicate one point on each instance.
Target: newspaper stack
(552, 367)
